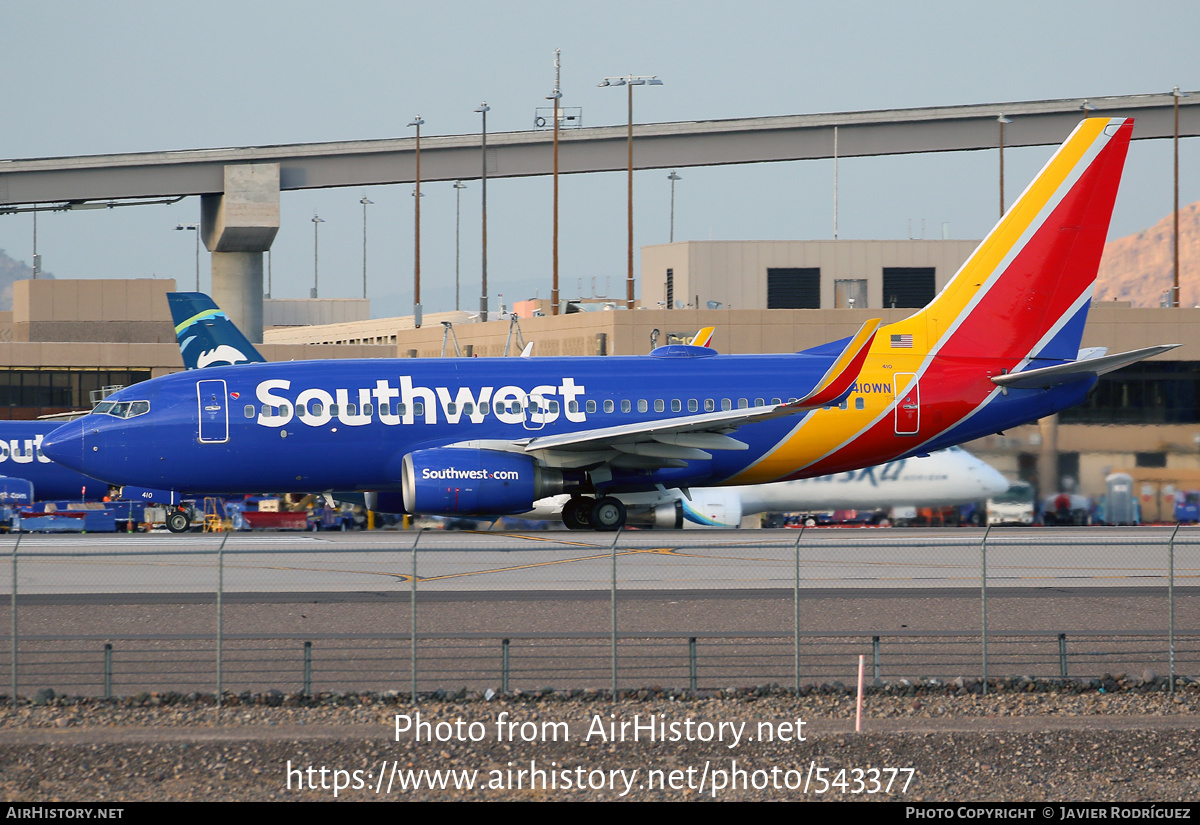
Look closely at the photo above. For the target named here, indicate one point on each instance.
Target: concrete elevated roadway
(240, 187)
(594, 149)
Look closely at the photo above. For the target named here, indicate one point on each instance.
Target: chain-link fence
(418, 612)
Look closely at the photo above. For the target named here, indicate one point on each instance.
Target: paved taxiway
(580, 561)
(153, 598)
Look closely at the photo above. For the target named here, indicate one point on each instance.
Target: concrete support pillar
(238, 226)
(1048, 482)
(237, 279)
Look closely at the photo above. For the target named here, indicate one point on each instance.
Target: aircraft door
(908, 403)
(535, 411)
(214, 411)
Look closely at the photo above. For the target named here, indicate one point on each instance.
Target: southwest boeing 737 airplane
(998, 347)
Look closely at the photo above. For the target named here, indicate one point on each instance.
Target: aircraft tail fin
(206, 336)
(1025, 291)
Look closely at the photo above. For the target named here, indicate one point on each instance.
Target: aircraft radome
(997, 347)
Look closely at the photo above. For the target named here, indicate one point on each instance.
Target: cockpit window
(122, 409)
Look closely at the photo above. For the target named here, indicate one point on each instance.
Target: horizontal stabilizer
(1065, 373)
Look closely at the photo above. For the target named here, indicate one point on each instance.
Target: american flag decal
(903, 341)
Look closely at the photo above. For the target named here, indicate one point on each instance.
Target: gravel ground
(1118, 739)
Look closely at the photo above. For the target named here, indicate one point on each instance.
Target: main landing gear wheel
(576, 514)
(177, 522)
(608, 514)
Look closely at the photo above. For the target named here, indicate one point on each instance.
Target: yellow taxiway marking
(528, 566)
(534, 538)
(212, 566)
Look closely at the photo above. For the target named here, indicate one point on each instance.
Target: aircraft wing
(687, 437)
(1062, 373)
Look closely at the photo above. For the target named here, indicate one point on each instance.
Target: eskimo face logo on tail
(223, 354)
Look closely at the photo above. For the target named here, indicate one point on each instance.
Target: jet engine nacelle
(668, 516)
(452, 480)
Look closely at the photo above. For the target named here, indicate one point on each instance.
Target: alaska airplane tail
(206, 336)
(1024, 292)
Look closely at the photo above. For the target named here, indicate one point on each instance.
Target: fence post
(220, 616)
(983, 601)
(1171, 609)
(108, 670)
(692, 682)
(308, 669)
(504, 644)
(612, 551)
(1062, 655)
(14, 619)
(412, 623)
(875, 655)
(796, 608)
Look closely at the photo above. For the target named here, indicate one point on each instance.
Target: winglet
(703, 338)
(844, 371)
(205, 334)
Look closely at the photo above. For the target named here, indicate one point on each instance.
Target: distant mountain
(1137, 268)
(12, 271)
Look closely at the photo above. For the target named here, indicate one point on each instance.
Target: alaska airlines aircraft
(206, 336)
(947, 477)
(998, 347)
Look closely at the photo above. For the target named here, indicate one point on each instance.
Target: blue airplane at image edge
(21, 457)
(997, 347)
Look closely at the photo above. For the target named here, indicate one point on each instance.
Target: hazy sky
(90, 78)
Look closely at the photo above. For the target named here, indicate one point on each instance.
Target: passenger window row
(469, 409)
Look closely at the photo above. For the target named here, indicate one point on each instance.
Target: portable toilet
(1120, 504)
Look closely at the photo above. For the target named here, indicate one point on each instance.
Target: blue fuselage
(330, 425)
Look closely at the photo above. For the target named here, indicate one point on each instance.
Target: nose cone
(990, 480)
(65, 445)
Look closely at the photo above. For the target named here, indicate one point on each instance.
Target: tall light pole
(630, 81)
(1001, 119)
(483, 295)
(316, 221)
(365, 203)
(178, 227)
(672, 178)
(458, 187)
(1176, 94)
(416, 121)
(37, 259)
(556, 96)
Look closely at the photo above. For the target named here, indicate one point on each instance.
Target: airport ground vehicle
(1016, 505)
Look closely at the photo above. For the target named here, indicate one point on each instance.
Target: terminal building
(66, 340)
